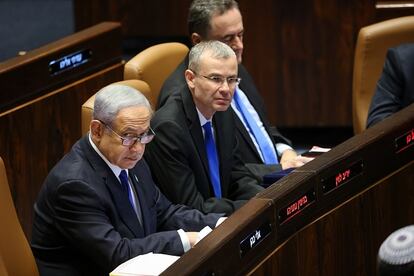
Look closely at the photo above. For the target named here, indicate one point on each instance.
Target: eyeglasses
(219, 80)
(129, 141)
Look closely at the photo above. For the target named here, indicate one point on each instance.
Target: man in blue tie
(194, 157)
(262, 148)
(99, 205)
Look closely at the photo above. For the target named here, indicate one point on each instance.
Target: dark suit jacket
(247, 150)
(395, 88)
(179, 162)
(84, 224)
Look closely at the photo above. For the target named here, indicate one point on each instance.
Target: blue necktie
(125, 186)
(212, 159)
(265, 148)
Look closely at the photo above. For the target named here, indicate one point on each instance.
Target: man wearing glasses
(99, 206)
(262, 148)
(194, 157)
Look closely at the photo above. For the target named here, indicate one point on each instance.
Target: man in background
(262, 148)
(395, 88)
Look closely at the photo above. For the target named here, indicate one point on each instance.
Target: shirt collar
(114, 168)
(201, 117)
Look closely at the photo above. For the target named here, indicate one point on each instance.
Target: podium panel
(346, 240)
(54, 65)
(329, 216)
(243, 237)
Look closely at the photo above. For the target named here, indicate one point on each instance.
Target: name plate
(297, 206)
(254, 238)
(342, 176)
(404, 141)
(69, 62)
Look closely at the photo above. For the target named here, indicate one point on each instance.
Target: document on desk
(145, 265)
(315, 151)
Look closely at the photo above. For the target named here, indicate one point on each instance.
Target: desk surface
(326, 218)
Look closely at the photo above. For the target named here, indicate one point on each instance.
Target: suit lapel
(252, 94)
(247, 86)
(245, 135)
(146, 218)
(194, 127)
(126, 212)
(120, 200)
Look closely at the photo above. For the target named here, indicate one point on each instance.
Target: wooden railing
(327, 218)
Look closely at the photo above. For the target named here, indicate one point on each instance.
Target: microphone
(396, 253)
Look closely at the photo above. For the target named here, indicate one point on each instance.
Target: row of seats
(148, 70)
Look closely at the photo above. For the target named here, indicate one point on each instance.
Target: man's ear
(97, 129)
(189, 78)
(195, 38)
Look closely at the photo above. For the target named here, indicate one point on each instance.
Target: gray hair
(201, 12)
(216, 49)
(114, 97)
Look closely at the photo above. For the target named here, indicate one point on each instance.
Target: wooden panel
(329, 216)
(256, 216)
(138, 17)
(345, 239)
(304, 67)
(36, 135)
(27, 77)
(339, 244)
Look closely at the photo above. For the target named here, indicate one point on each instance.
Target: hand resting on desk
(290, 159)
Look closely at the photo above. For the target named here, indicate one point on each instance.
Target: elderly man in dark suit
(194, 157)
(99, 205)
(395, 88)
(262, 148)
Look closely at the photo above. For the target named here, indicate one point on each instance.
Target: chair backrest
(87, 107)
(15, 253)
(371, 48)
(3, 268)
(154, 64)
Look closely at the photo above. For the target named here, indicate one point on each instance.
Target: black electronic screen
(69, 61)
(404, 141)
(342, 176)
(254, 238)
(296, 206)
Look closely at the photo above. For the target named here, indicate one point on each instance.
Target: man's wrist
(184, 240)
(280, 148)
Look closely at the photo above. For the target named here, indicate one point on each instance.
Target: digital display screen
(342, 176)
(404, 141)
(254, 238)
(296, 206)
(69, 61)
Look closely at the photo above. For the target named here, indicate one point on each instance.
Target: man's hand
(290, 159)
(192, 237)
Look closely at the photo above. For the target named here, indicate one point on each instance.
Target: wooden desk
(327, 218)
